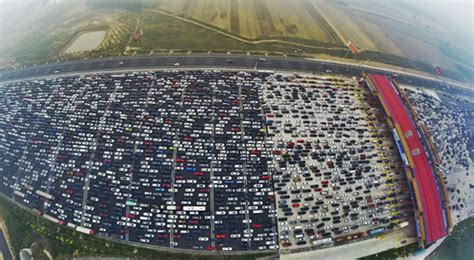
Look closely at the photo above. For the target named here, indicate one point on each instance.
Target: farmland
(401, 29)
(371, 26)
(401, 33)
(257, 19)
(163, 32)
(383, 32)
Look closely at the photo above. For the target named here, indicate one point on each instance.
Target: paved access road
(4, 247)
(205, 61)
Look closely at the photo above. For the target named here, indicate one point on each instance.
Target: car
(163, 141)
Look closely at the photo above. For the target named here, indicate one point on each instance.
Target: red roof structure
(433, 215)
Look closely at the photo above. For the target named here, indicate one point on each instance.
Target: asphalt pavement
(206, 61)
(4, 247)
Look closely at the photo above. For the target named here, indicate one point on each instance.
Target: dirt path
(240, 38)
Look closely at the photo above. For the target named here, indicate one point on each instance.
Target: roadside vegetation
(28, 230)
(458, 245)
(391, 254)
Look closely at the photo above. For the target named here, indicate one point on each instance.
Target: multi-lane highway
(200, 62)
(206, 61)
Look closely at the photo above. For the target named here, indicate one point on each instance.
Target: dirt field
(261, 19)
(215, 13)
(399, 28)
(86, 42)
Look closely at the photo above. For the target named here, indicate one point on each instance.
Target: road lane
(4, 247)
(207, 61)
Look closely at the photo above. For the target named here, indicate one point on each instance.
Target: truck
(403, 224)
(85, 230)
(324, 241)
(44, 194)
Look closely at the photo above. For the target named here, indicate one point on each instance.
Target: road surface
(210, 61)
(4, 247)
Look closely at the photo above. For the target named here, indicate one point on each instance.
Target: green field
(458, 245)
(163, 33)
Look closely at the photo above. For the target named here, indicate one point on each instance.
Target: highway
(200, 61)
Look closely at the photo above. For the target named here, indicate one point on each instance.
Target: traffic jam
(337, 173)
(203, 160)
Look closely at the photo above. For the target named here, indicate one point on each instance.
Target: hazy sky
(457, 13)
